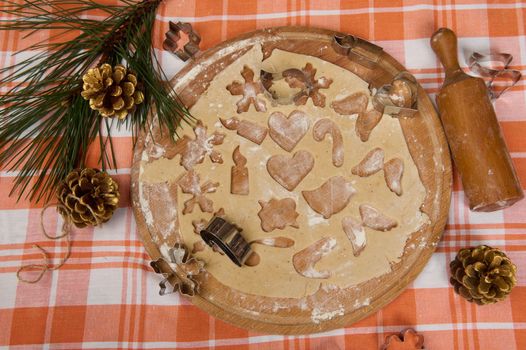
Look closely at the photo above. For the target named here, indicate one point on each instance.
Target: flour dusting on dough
(275, 269)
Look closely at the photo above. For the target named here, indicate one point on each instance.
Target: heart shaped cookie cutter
(494, 67)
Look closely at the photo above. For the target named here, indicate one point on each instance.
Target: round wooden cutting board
(328, 308)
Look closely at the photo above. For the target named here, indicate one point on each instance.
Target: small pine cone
(113, 92)
(482, 275)
(89, 197)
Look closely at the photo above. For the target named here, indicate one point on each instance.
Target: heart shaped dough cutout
(289, 171)
(287, 132)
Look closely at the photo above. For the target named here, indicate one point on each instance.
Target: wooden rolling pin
(473, 133)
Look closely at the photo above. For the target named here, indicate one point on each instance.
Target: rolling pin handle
(444, 43)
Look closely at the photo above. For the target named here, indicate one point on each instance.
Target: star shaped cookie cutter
(179, 271)
(173, 37)
(494, 66)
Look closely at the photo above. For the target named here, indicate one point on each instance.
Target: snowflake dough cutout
(305, 80)
(190, 184)
(249, 90)
(194, 151)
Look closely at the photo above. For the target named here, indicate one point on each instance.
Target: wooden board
(428, 149)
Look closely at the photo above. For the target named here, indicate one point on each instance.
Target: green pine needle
(46, 127)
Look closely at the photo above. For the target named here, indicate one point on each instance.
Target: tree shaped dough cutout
(289, 172)
(249, 90)
(305, 79)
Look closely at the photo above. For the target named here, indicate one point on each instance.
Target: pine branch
(45, 125)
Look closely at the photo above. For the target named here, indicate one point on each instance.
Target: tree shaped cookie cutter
(173, 38)
(179, 270)
(495, 67)
(228, 238)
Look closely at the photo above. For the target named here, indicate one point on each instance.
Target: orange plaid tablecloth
(106, 296)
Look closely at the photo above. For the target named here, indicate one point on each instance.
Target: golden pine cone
(482, 275)
(113, 92)
(89, 197)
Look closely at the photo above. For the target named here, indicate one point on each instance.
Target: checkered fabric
(106, 296)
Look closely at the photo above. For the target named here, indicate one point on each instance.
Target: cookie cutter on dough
(359, 50)
(399, 98)
(179, 271)
(228, 238)
(173, 37)
(495, 67)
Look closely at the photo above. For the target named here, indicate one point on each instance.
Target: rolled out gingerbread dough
(275, 275)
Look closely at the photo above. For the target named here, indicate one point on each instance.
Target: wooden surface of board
(428, 149)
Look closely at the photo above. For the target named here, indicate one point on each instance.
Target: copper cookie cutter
(227, 237)
(399, 98)
(173, 37)
(359, 50)
(179, 270)
(494, 67)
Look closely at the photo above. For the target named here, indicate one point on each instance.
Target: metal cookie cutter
(228, 238)
(358, 50)
(173, 37)
(179, 271)
(398, 98)
(495, 67)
